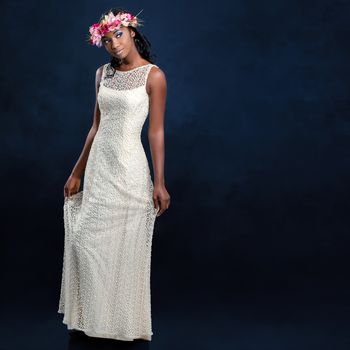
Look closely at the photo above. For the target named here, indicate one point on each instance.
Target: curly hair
(142, 44)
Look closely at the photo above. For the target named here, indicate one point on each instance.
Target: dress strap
(104, 71)
(152, 65)
(149, 67)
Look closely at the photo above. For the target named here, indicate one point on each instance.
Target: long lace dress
(105, 288)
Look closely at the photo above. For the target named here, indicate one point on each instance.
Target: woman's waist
(119, 136)
(121, 149)
(119, 122)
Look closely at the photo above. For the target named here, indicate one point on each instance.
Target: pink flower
(110, 22)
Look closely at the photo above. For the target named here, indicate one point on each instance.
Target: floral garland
(109, 23)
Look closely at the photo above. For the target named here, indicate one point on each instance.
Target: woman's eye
(117, 34)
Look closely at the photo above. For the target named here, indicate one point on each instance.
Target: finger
(160, 212)
(165, 205)
(156, 203)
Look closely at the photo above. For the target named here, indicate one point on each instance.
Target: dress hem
(92, 333)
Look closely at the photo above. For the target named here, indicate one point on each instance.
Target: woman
(105, 289)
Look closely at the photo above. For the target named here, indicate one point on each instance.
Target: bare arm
(157, 90)
(73, 183)
(79, 167)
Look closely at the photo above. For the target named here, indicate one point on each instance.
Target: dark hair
(142, 44)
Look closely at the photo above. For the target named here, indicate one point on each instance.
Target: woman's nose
(115, 43)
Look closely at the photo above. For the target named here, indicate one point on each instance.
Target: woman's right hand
(72, 186)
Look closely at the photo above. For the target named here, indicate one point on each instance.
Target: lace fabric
(105, 288)
(125, 80)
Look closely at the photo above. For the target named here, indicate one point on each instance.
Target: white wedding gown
(105, 288)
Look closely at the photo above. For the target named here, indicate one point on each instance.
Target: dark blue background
(254, 251)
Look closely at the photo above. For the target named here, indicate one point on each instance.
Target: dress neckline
(130, 70)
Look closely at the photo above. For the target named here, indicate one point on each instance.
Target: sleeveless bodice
(117, 150)
(123, 99)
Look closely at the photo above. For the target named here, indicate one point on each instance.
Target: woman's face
(119, 42)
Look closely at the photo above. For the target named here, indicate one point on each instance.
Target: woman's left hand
(161, 199)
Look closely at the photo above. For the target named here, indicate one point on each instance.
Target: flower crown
(109, 23)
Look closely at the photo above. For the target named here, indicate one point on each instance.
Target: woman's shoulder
(156, 71)
(100, 68)
(156, 78)
(99, 73)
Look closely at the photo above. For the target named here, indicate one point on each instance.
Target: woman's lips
(119, 52)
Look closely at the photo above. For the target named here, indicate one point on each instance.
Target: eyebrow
(106, 37)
